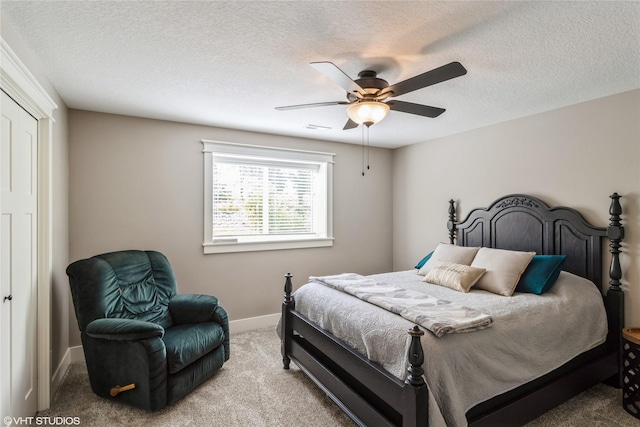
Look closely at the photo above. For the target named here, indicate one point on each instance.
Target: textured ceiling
(229, 63)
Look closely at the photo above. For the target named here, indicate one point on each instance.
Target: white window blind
(265, 198)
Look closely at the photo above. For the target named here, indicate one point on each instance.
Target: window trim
(271, 153)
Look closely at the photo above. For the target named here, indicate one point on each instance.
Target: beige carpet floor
(252, 389)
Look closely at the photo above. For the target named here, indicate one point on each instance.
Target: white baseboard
(253, 323)
(76, 354)
(58, 374)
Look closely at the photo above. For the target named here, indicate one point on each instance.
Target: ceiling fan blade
(418, 109)
(350, 125)
(316, 104)
(437, 75)
(336, 75)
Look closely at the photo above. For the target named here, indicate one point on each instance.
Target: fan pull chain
(368, 147)
(362, 134)
(365, 125)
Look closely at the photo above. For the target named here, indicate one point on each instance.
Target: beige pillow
(454, 276)
(449, 253)
(504, 269)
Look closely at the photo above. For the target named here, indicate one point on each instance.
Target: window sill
(219, 248)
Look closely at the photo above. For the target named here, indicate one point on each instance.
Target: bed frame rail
(548, 392)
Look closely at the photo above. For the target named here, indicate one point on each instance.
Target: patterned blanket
(436, 315)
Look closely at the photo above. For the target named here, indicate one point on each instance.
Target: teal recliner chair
(144, 344)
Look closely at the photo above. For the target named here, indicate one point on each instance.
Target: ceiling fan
(369, 96)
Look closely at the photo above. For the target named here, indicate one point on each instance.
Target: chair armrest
(192, 308)
(123, 329)
(222, 318)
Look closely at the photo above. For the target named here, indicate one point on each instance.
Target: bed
(373, 393)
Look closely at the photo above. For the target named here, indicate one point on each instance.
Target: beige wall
(138, 183)
(60, 245)
(575, 156)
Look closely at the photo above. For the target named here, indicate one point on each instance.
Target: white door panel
(18, 271)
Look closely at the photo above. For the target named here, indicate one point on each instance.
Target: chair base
(112, 363)
(183, 382)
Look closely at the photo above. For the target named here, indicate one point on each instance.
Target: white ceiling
(229, 63)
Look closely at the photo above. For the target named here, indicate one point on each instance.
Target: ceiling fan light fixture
(369, 112)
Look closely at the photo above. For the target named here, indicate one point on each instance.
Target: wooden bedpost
(418, 413)
(615, 296)
(286, 333)
(615, 233)
(451, 224)
(416, 358)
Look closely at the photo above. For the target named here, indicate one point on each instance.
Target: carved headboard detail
(525, 223)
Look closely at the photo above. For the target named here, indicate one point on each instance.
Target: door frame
(18, 82)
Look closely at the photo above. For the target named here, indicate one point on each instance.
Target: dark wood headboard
(525, 223)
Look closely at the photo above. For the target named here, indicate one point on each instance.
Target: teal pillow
(541, 273)
(423, 261)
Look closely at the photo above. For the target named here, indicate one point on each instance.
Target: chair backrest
(127, 284)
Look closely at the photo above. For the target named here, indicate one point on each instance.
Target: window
(262, 198)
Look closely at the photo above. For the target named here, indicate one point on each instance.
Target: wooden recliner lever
(117, 389)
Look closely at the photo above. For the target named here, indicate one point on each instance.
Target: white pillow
(504, 269)
(454, 276)
(449, 253)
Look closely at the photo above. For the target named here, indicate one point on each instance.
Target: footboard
(367, 393)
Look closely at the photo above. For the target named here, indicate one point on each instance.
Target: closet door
(18, 258)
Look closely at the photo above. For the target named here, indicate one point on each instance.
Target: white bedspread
(531, 335)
